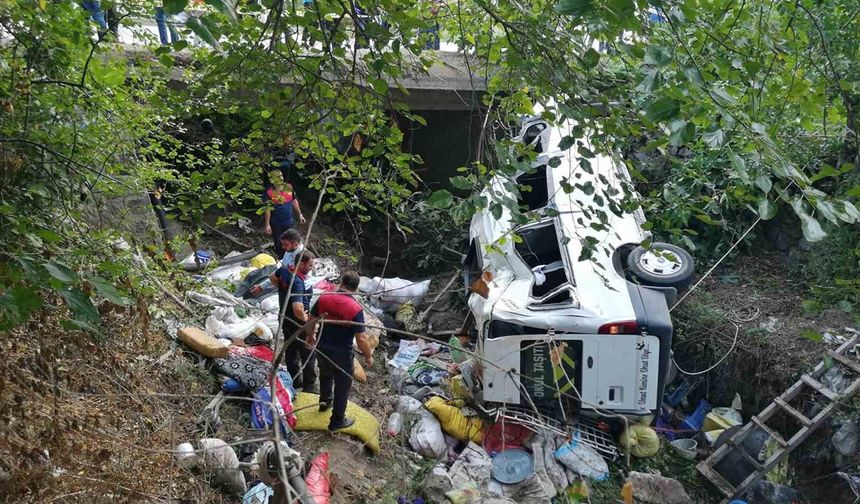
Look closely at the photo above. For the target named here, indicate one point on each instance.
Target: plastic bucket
(686, 447)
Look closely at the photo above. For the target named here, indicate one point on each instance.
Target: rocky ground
(95, 418)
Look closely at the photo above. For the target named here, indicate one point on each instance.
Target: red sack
(503, 435)
(261, 352)
(317, 480)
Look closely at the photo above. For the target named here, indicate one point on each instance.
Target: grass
(666, 463)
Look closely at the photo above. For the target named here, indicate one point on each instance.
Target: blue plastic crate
(696, 419)
(674, 398)
(665, 428)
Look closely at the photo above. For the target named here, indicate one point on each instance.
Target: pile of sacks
(465, 446)
(438, 428)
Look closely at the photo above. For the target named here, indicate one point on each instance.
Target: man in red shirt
(342, 321)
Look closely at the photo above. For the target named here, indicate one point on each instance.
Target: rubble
(437, 481)
(845, 439)
(772, 493)
(654, 489)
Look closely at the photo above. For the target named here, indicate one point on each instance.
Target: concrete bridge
(448, 95)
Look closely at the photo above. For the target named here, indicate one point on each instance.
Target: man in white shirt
(291, 241)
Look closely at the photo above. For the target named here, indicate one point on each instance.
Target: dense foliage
(735, 109)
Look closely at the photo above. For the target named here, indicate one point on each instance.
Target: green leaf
(108, 291)
(681, 132)
(49, 236)
(496, 210)
(265, 114)
(658, 56)
(574, 7)
(75, 324)
(811, 228)
(811, 335)
(80, 305)
(706, 219)
(759, 128)
(174, 6)
(554, 162)
(810, 307)
(846, 306)
(714, 138)
(650, 82)
(590, 58)
(849, 212)
(740, 166)
(199, 29)
(16, 305)
(693, 75)
(226, 8)
(766, 208)
(827, 209)
(440, 199)
(823, 172)
(379, 85)
(764, 183)
(723, 97)
(461, 182)
(61, 272)
(662, 109)
(566, 142)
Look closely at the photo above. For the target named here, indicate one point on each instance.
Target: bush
(831, 268)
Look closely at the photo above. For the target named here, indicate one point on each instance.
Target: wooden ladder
(840, 359)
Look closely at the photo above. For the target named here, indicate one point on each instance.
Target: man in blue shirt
(298, 353)
(342, 319)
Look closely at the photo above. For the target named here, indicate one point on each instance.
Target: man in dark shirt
(298, 353)
(342, 319)
(280, 206)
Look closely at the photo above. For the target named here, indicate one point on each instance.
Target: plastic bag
(270, 304)
(474, 466)
(389, 294)
(261, 260)
(641, 440)
(318, 479)
(261, 411)
(222, 465)
(426, 436)
(455, 423)
(407, 354)
(582, 459)
(231, 272)
(259, 494)
(225, 323)
(457, 354)
(405, 313)
(542, 469)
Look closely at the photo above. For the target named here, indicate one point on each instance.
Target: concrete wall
(447, 142)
